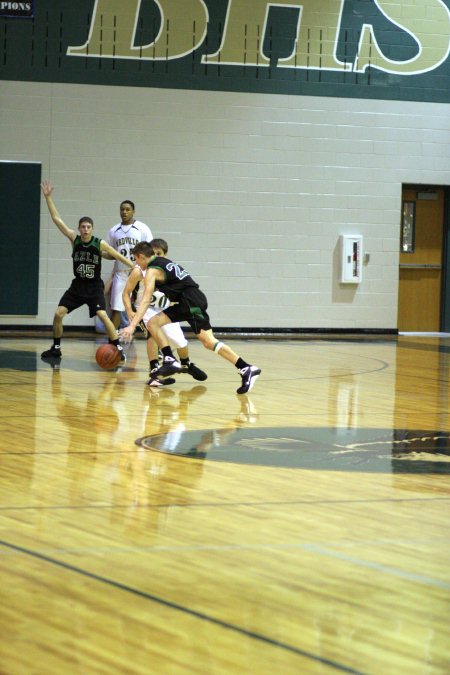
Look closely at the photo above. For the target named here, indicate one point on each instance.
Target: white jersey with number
(124, 238)
(158, 302)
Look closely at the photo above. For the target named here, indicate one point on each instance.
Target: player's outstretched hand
(126, 334)
(47, 188)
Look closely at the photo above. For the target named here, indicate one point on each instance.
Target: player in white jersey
(173, 331)
(123, 237)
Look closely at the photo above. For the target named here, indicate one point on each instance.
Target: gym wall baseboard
(236, 332)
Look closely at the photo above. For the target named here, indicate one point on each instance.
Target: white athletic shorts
(172, 330)
(118, 284)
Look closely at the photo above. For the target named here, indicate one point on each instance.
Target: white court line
(310, 548)
(386, 569)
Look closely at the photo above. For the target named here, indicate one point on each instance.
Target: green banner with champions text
(347, 48)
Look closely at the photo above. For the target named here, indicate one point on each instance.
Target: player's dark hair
(160, 243)
(128, 201)
(143, 248)
(86, 219)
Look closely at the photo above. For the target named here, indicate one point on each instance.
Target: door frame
(445, 290)
(444, 313)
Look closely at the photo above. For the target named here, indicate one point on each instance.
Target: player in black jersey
(190, 305)
(87, 287)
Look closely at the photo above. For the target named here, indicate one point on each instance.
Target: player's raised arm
(47, 189)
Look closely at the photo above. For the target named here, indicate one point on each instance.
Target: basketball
(107, 356)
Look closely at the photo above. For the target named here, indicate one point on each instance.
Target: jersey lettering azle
(87, 261)
(82, 256)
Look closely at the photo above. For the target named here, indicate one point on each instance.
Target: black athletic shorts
(191, 308)
(87, 293)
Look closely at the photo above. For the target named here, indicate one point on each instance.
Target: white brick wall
(251, 191)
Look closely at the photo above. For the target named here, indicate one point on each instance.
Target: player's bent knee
(155, 320)
(207, 342)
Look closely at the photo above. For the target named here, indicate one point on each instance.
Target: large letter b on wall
(113, 30)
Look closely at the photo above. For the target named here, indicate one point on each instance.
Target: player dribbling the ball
(190, 305)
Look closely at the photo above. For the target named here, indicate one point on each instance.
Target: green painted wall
(20, 197)
(345, 48)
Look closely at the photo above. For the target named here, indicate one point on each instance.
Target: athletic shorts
(118, 284)
(173, 331)
(191, 308)
(88, 293)
(175, 335)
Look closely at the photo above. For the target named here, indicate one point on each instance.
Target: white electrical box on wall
(351, 258)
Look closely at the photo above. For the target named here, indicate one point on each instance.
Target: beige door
(419, 301)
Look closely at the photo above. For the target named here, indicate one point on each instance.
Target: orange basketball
(107, 356)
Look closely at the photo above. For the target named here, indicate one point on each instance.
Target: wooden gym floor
(302, 528)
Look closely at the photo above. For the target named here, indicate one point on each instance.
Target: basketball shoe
(169, 366)
(192, 369)
(51, 353)
(249, 375)
(157, 381)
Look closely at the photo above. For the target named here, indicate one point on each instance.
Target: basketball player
(122, 237)
(87, 287)
(190, 305)
(173, 331)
